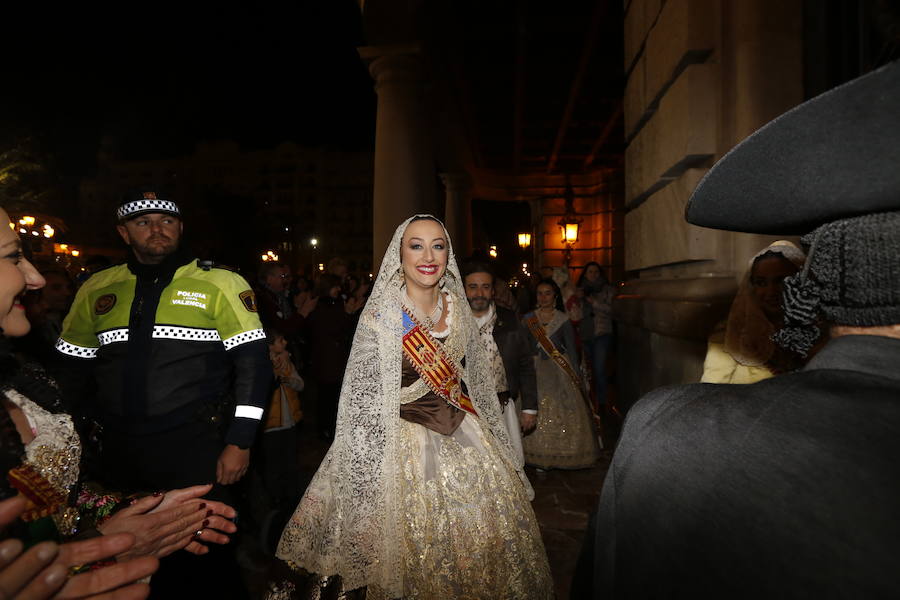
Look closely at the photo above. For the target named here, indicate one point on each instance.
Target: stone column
(405, 181)
(458, 211)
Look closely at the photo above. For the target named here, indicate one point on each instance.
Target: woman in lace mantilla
(564, 437)
(419, 496)
(741, 349)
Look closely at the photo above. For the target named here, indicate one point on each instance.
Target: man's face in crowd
(286, 278)
(479, 291)
(152, 236)
(275, 280)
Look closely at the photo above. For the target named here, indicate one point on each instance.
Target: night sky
(163, 80)
(160, 81)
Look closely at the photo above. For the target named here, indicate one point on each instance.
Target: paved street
(563, 501)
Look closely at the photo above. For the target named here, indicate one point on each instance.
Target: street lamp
(314, 242)
(492, 251)
(524, 240)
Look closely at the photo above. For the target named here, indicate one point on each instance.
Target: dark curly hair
(559, 302)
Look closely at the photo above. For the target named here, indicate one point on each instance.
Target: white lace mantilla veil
(349, 520)
(748, 332)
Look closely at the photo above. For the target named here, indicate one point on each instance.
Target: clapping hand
(280, 362)
(305, 303)
(164, 523)
(43, 571)
(352, 304)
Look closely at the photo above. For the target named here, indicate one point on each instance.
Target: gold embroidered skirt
(564, 437)
(470, 532)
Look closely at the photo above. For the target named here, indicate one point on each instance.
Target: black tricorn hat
(834, 156)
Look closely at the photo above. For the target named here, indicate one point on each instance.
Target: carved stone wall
(701, 76)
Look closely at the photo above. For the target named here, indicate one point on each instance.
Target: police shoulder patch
(248, 298)
(104, 304)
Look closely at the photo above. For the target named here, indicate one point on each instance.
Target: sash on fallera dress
(540, 334)
(430, 360)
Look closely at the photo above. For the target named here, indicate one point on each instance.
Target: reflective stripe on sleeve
(73, 350)
(112, 336)
(243, 338)
(248, 412)
(194, 334)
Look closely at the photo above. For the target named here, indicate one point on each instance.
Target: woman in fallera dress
(564, 437)
(419, 495)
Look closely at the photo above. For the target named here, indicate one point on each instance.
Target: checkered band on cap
(136, 207)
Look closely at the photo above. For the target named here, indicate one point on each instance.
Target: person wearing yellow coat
(741, 349)
(280, 468)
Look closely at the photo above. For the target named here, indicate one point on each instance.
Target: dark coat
(786, 488)
(329, 330)
(517, 349)
(271, 315)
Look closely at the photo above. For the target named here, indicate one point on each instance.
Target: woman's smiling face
(16, 276)
(424, 253)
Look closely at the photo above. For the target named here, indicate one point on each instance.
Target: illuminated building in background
(272, 198)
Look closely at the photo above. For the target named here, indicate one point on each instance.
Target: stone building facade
(701, 76)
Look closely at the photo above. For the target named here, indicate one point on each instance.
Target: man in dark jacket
(786, 488)
(513, 343)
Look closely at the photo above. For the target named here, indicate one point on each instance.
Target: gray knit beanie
(851, 277)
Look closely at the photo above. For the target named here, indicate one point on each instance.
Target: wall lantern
(524, 240)
(569, 230)
(569, 224)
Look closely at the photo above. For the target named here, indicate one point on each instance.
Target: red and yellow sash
(537, 330)
(43, 499)
(431, 362)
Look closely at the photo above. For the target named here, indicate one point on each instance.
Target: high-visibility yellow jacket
(169, 343)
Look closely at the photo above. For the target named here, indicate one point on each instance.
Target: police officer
(178, 355)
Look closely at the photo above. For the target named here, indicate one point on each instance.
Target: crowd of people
(170, 371)
(149, 417)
